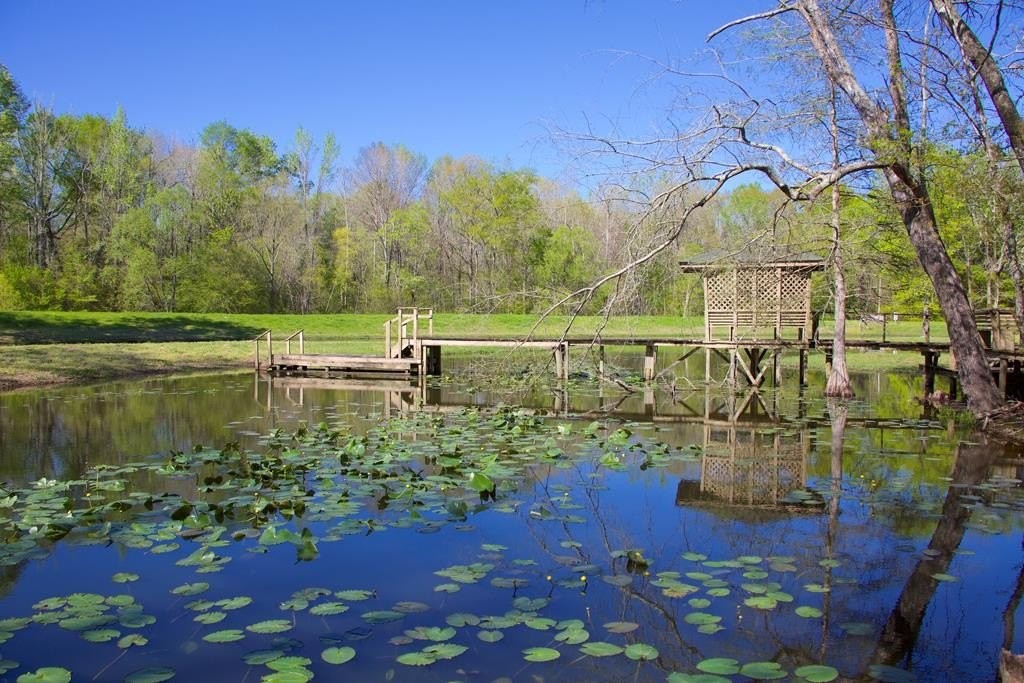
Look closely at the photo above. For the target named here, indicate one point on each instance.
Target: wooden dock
(408, 352)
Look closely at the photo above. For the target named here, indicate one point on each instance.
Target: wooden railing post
(387, 339)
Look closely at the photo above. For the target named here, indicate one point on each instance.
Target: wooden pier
(411, 349)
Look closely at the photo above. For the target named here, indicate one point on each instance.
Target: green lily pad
(101, 635)
(234, 603)
(761, 602)
(621, 626)
(382, 616)
(719, 665)
(949, 578)
(808, 612)
(817, 673)
(597, 648)
(445, 650)
(47, 674)
(132, 639)
(209, 618)
(641, 652)
(763, 671)
(490, 636)
(700, 618)
(191, 588)
(338, 655)
(415, 659)
(258, 657)
(354, 595)
(676, 677)
(541, 654)
(326, 609)
(124, 577)
(270, 626)
(229, 635)
(151, 674)
(460, 619)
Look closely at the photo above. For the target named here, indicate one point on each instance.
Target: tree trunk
(965, 343)
(838, 384)
(991, 75)
(912, 201)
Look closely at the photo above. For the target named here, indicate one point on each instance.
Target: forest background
(96, 214)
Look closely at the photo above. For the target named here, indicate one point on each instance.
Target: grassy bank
(57, 347)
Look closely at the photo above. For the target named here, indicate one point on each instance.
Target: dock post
(1003, 366)
(929, 372)
(558, 361)
(600, 360)
(777, 368)
(434, 360)
(565, 362)
(707, 365)
(650, 356)
(803, 367)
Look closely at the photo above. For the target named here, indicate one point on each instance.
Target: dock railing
(288, 343)
(406, 318)
(270, 349)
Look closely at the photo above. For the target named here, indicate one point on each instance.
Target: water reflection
(863, 510)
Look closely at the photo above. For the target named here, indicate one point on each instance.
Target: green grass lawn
(51, 347)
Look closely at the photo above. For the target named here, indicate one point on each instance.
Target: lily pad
(270, 626)
(621, 626)
(541, 654)
(151, 674)
(191, 588)
(258, 657)
(338, 655)
(641, 652)
(719, 665)
(382, 616)
(490, 636)
(817, 673)
(325, 609)
(763, 671)
(597, 648)
(228, 635)
(808, 612)
(415, 659)
(47, 674)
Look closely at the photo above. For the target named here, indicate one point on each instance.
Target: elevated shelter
(753, 301)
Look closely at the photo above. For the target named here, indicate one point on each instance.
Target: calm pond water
(230, 527)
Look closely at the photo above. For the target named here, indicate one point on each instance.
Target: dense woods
(96, 214)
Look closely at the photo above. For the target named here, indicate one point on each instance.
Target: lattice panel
(795, 287)
(747, 299)
(752, 472)
(720, 296)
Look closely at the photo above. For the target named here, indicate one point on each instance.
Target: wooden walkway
(408, 352)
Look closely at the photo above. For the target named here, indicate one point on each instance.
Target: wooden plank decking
(335, 363)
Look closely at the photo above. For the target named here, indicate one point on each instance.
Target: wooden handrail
(270, 349)
(405, 317)
(288, 342)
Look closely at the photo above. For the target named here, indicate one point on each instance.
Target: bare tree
(383, 181)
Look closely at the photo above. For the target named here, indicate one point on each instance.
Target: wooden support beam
(650, 358)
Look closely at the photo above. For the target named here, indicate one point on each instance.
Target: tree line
(98, 215)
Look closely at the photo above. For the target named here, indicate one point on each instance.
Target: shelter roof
(752, 257)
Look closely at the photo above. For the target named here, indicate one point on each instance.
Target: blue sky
(483, 78)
